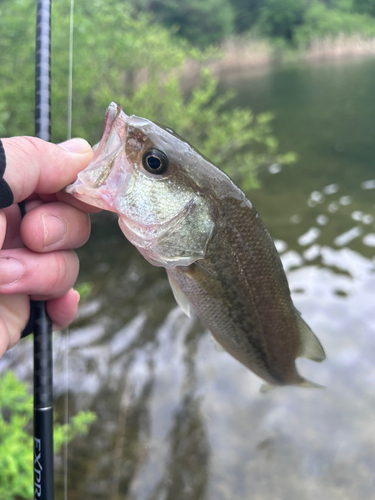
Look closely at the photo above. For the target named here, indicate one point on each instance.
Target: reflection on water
(177, 418)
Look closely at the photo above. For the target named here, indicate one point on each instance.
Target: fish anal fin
(179, 295)
(310, 347)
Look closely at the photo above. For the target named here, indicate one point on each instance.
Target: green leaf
(16, 442)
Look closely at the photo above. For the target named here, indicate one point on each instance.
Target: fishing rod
(43, 385)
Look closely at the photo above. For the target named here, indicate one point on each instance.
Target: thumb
(36, 166)
(3, 227)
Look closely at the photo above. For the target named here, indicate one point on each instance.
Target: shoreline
(258, 56)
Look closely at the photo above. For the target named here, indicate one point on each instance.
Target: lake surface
(179, 420)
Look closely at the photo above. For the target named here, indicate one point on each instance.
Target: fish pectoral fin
(179, 295)
(217, 346)
(310, 347)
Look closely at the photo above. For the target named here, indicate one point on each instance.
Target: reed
(341, 46)
(256, 55)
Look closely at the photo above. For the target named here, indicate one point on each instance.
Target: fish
(186, 215)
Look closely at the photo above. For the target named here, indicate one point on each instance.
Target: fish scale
(240, 301)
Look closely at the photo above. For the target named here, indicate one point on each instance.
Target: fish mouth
(107, 181)
(103, 169)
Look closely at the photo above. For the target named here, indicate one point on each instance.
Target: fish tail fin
(265, 388)
(310, 347)
(310, 385)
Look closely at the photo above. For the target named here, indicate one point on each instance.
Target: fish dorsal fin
(179, 295)
(310, 347)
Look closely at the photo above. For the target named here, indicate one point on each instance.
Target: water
(177, 418)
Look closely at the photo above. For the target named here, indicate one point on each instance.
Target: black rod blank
(43, 405)
(43, 70)
(43, 382)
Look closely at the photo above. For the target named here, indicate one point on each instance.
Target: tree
(246, 14)
(125, 57)
(279, 18)
(364, 7)
(200, 22)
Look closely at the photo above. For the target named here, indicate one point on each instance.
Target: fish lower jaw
(91, 197)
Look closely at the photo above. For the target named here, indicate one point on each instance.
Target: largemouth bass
(186, 215)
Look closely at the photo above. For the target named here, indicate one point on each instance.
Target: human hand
(36, 260)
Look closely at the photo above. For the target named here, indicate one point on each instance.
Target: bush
(16, 443)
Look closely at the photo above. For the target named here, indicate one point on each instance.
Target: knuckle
(64, 271)
(31, 145)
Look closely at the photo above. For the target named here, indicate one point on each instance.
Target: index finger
(36, 166)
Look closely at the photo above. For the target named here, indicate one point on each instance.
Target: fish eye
(155, 161)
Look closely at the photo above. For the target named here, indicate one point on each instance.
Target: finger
(37, 166)
(14, 313)
(12, 235)
(4, 337)
(55, 226)
(63, 310)
(60, 196)
(15, 310)
(3, 227)
(42, 276)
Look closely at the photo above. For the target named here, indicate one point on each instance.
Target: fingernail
(54, 229)
(11, 270)
(78, 296)
(77, 145)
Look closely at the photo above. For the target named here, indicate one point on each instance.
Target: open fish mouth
(100, 183)
(116, 183)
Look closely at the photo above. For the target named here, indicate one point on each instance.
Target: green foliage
(300, 21)
(16, 442)
(111, 48)
(78, 426)
(279, 18)
(200, 22)
(84, 289)
(246, 13)
(233, 139)
(123, 57)
(321, 21)
(364, 7)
